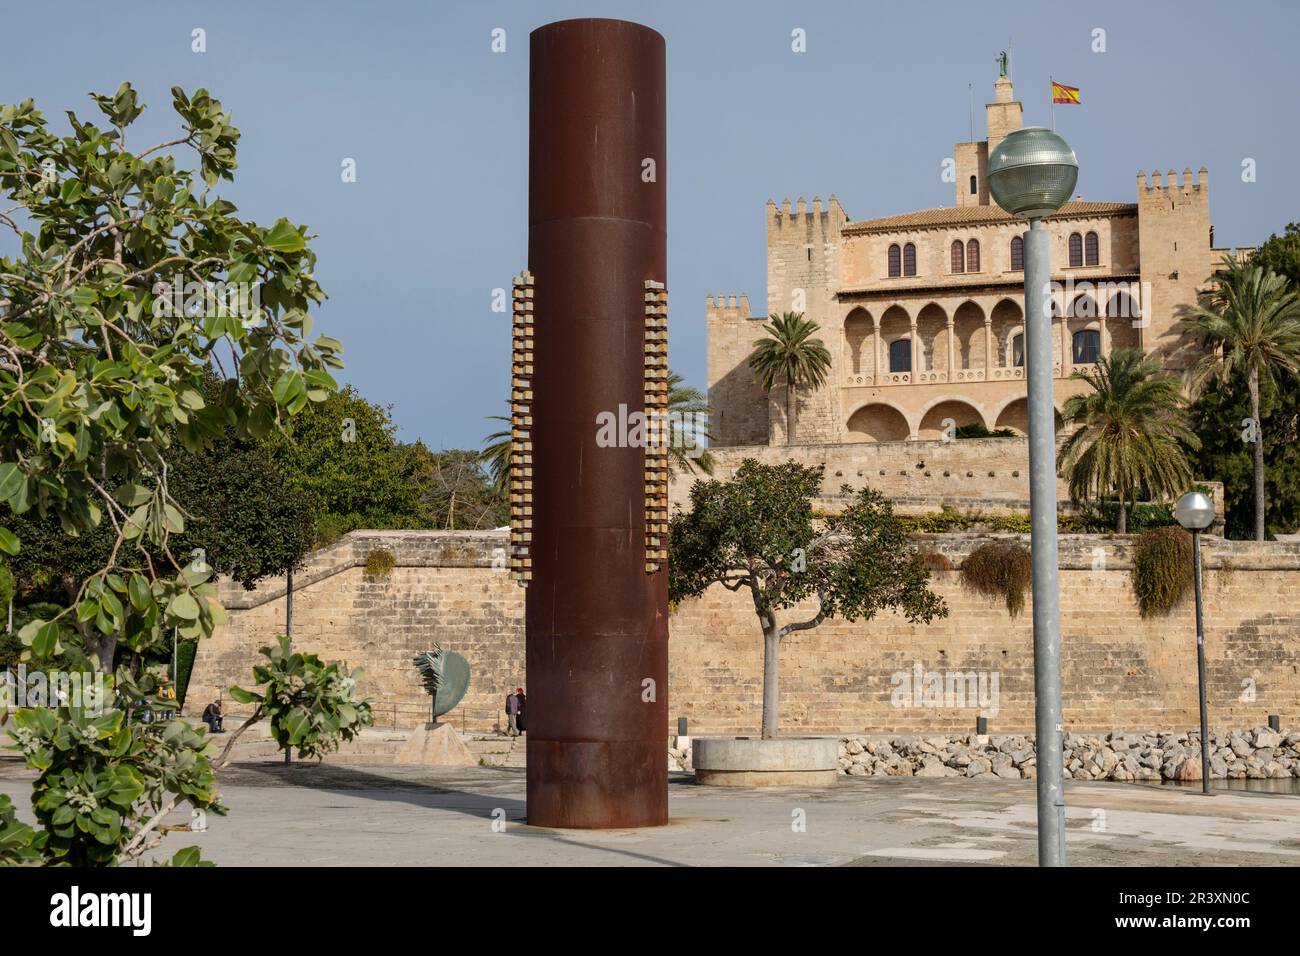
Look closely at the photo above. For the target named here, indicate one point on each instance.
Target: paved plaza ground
(379, 815)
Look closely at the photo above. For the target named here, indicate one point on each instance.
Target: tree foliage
(309, 704)
(1218, 418)
(756, 531)
(1249, 323)
(129, 287)
(1131, 435)
(100, 373)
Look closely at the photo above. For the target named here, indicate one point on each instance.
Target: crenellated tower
(804, 269)
(1175, 259)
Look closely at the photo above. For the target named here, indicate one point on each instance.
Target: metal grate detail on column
(521, 425)
(658, 432)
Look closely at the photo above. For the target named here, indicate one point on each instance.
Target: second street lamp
(1031, 174)
(1195, 512)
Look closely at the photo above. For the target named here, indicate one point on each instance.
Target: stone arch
(959, 410)
(932, 336)
(1007, 315)
(1083, 306)
(1014, 414)
(857, 335)
(968, 330)
(878, 421)
(895, 324)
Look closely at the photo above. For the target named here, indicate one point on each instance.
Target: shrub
(380, 563)
(977, 430)
(1162, 569)
(1000, 569)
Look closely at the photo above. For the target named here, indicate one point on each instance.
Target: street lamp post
(1032, 172)
(1195, 512)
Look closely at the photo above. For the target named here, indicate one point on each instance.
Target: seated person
(212, 717)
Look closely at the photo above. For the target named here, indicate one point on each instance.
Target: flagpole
(1051, 94)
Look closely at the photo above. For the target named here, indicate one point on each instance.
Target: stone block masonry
(883, 676)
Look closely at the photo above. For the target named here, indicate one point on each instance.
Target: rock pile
(1257, 754)
(1254, 753)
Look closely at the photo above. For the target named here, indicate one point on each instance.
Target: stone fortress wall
(1119, 671)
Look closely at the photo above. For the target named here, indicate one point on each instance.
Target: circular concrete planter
(754, 762)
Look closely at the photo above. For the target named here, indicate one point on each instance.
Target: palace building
(923, 312)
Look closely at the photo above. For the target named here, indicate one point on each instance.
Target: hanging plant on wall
(1002, 569)
(1162, 569)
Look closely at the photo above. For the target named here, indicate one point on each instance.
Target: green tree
(130, 283)
(1250, 325)
(455, 491)
(343, 453)
(756, 531)
(788, 354)
(1221, 408)
(1133, 426)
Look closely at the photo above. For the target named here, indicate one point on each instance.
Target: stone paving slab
(334, 814)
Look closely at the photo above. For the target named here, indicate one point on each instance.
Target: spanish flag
(1065, 94)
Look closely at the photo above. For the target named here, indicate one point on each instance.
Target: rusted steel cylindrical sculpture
(597, 605)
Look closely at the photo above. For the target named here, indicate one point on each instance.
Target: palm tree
(1130, 428)
(685, 404)
(1252, 323)
(496, 455)
(790, 354)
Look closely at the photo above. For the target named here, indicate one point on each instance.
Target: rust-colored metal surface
(597, 620)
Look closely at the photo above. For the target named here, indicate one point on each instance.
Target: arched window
(1018, 350)
(973, 188)
(1017, 254)
(909, 260)
(973, 256)
(895, 268)
(900, 355)
(1076, 249)
(958, 256)
(1090, 250)
(1087, 346)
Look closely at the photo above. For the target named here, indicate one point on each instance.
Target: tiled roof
(965, 215)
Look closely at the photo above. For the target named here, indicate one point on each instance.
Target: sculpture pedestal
(436, 745)
(753, 762)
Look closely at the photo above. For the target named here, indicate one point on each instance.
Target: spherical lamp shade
(1195, 511)
(1032, 172)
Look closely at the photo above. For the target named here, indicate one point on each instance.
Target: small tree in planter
(756, 531)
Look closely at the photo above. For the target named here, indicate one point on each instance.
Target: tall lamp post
(1031, 174)
(1195, 512)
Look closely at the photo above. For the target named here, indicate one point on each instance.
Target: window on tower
(895, 260)
(973, 188)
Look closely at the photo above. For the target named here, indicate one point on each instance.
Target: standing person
(522, 718)
(512, 715)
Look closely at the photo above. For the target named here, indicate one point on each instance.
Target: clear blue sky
(437, 123)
